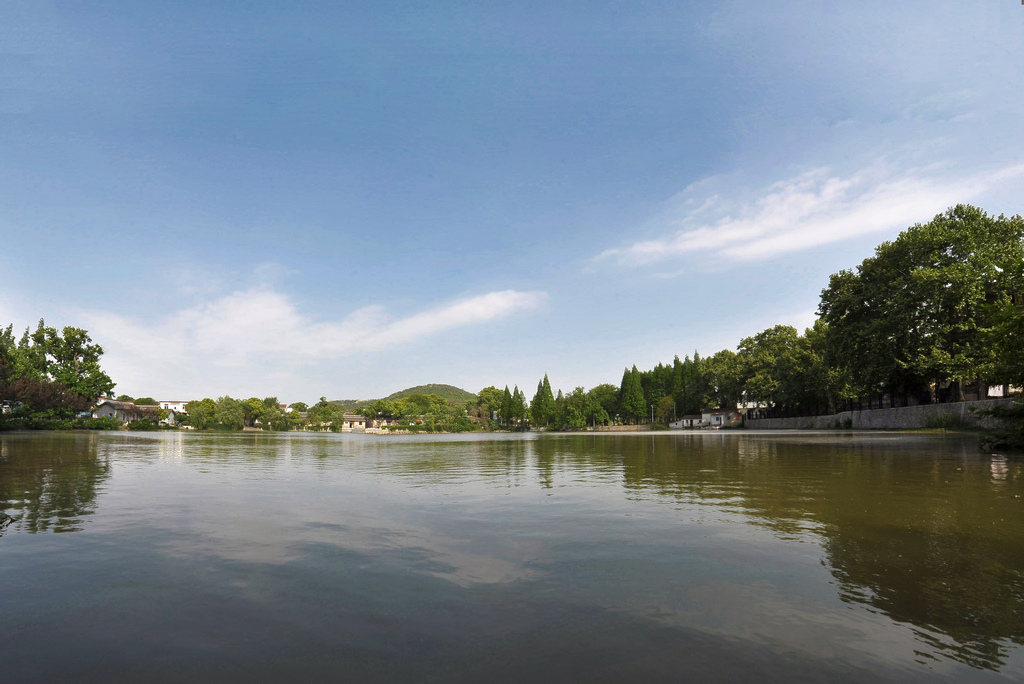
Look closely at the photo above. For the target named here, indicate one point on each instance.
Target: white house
(685, 422)
(719, 418)
(175, 405)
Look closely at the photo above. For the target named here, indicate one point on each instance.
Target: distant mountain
(444, 391)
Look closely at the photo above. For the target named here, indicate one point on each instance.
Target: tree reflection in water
(933, 540)
(49, 482)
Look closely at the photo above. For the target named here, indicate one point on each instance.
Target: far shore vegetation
(932, 314)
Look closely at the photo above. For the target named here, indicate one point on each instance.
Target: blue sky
(344, 199)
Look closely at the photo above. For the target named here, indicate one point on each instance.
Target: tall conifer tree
(506, 407)
(543, 407)
(518, 405)
(633, 405)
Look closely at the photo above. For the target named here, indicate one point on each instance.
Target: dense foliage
(226, 413)
(427, 412)
(48, 376)
(937, 304)
(935, 310)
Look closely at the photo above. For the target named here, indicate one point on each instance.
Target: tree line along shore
(935, 315)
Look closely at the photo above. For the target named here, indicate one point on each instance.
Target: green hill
(444, 391)
(449, 392)
(350, 404)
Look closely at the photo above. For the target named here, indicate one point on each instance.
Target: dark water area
(587, 557)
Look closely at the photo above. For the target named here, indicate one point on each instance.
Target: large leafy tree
(488, 402)
(277, 420)
(76, 363)
(577, 409)
(68, 358)
(607, 397)
(725, 377)
(51, 374)
(8, 356)
(765, 358)
(814, 381)
(923, 307)
(253, 409)
(382, 408)
(321, 415)
(1006, 314)
(201, 413)
(1006, 339)
(229, 413)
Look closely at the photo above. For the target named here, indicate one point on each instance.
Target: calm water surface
(608, 557)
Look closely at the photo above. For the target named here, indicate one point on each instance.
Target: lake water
(587, 557)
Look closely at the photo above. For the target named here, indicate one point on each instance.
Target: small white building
(719, 418)
(692, 421)
(175, 405)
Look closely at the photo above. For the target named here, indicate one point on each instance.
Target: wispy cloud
(209, 347)
(809, 210)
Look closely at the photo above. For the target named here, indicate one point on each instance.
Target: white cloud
(258, 338)
(806, 211)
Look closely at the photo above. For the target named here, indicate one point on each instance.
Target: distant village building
(123, 411)
(352, 422)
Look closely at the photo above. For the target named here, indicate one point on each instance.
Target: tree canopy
(50, 374)
(924, 308)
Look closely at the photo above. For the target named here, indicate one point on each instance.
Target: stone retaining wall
(900, 418)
